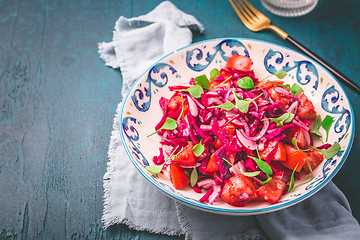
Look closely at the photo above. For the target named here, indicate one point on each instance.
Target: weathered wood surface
(58, 100)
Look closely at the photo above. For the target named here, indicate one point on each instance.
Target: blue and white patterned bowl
(141, 112)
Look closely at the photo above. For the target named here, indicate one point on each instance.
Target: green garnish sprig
(279, 73)
(194, 177)
(325, 124)
(292, 180)
(328, 153)
(169, 124)
(246, 83)
(295, 88)
(243, 105)
(158, 168)
(248, 174)
(198, 149)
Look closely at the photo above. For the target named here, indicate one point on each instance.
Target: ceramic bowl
(141, 112)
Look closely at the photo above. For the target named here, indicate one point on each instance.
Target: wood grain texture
(58, 100)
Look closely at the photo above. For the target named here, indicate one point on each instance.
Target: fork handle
(325, 64)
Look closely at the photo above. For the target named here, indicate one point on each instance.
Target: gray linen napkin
(130, 199)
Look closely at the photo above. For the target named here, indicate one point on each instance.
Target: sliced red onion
(260, 134)
(284, 92)
(300, 124)
(214, 100)
(251, 145)
(239, 166)
(245, 125)
(293, 107)
(197, 164)
(205, 127)
(215, 194)
(307, 138)
(206, 183)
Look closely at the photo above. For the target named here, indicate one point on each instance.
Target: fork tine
(254, 10)
(246, 9)
(239, 11)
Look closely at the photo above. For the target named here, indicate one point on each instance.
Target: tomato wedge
(186, 157)
(238, 189)
(272, 190)
(178, 177)
(239, 62)
(315, 158)
(212, 165)
(175, 102)
(279, 153)
(299, 135)
(267, 84)
(306, 109)
(294, 157)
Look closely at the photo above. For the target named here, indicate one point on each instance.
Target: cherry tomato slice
(238, 189)
(315, 158)
(306, 109)
(267, 84)
(175, 102)
(212, 165)
(178, 177)
(239, 62)
(186, 157)
(272, 190)
(294, 157)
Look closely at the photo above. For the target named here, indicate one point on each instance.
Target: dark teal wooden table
(58, 100)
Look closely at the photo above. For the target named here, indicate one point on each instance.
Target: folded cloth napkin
(130, 199)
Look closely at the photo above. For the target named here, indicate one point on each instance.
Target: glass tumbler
(289, 8)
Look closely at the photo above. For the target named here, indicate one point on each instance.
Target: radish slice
(192, 107)
(250, 145)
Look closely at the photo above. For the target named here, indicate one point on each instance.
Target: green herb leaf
(198, 149)
(291, 185)
(262, 165)
(243, 105)
(194, 90)
(267, 180)
(295, 88)
(214, 73)
(226, 106)
(326, 124)
(246, 83)
(280, 73)
(169, 124)
(248, 174)
(285, 118)
(158, 168)
(193, 177)
(202, 80)
(331, 151)
(317, 125)
(328, 153)
(155, 169)
(312, 175)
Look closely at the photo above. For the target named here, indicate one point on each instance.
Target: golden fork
(256, 21)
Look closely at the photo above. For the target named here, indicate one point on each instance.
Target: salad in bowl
(237, 126)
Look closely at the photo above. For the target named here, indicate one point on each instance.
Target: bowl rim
(239, 211)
